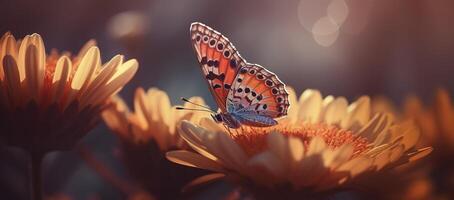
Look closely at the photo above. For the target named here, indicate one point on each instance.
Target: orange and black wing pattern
(218, 59)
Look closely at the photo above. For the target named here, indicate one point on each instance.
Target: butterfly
(246, 93)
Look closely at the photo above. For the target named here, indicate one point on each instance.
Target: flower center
(254, 140)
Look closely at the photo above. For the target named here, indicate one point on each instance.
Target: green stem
(36, 176)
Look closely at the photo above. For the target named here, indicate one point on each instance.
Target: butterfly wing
(258, 90)
(218, 59)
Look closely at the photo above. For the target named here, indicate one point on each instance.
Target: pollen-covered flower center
(254, 140)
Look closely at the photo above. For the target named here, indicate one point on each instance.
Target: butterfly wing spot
(226, 53)
(233, 64)
(212, 42)
(269, 83)
(205, 39)
(216, 86)
(220, 46)
(213, 63)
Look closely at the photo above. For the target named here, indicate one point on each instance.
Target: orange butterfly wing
(260, 90)
(233, 81)
(218, 59)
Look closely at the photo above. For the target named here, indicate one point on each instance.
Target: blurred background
(341, 47)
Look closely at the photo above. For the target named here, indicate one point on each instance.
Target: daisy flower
(433, 178)
(322, 144)
(49, 101)
(147, 133)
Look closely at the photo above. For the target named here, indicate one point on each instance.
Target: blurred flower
(323, 144)
(147, 133)
(433, 178)
(128, 25)
(129, 28)
(48, 102)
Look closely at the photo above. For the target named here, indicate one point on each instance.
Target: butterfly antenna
(187, 100)
(194, 109)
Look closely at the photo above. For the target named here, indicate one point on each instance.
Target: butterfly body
(246, 94)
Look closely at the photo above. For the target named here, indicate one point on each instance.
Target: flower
(321, 145)
(154, 118)
(48, 102)
(146, 134)
(433, 178)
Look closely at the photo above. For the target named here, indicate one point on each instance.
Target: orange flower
(432, 178)
(322, 144)
(146, 134)
(48, 102)
(154, 118)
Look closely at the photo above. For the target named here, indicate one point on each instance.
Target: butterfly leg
(228, 129)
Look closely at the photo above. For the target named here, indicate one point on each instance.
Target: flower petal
(335, 111)
(316, 146)
(192, 135)
(61, 78)
(310, 106)
(123, 75)
(8, 47)
(358, 114)
(292, 113)
(206, 179)
(34, 71)
(377, 125)
(102, 77)
(420, 153)
(190, 159)
(337, 157)
(356, 166)
(231, 150)
(269, 167)
(12, 79)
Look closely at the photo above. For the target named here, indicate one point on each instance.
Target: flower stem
(106, 173)
(36, 176)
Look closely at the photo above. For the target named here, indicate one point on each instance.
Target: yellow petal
(296, 148)
(104, 75)
(191, 134)
(123, 75)
(21, 56)
(203, 180)
(8, 47)
(34, 71)
(270, 164)
(377, 125)
(411, 136)
(316, 146)
(115, 118)
(61, 77)
(358, 114)
(445, 115)
(310, 106)
(88, 45)
(292, 113)
(356, 166)
(278, 145)
(333, 159)
(140, 109)
(420, 153)
(190, 159)
(12, 79)
(335, 111)
(231, 151)
(85, 70)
